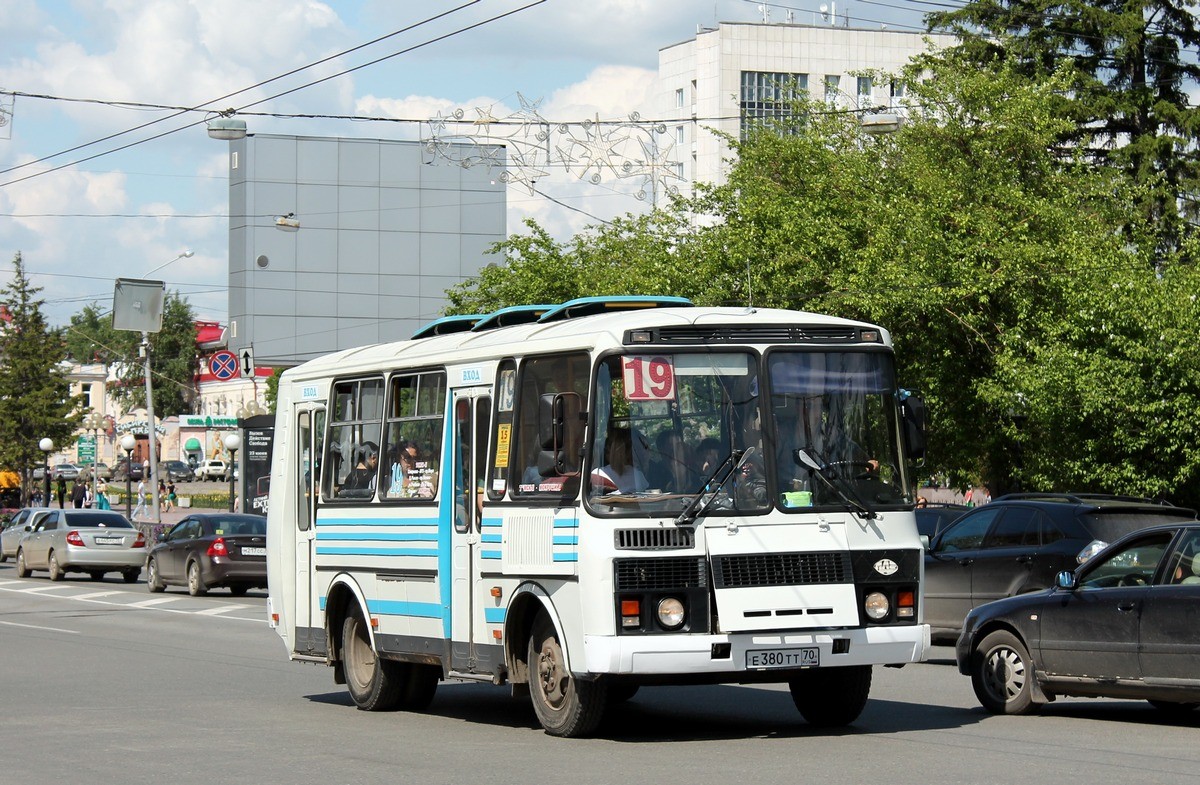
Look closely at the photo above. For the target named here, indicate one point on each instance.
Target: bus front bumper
(754, 654)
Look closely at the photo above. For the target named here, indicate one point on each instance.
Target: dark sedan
(1123, 625)
(210, 550)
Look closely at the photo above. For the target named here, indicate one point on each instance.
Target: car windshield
(228, 526)
(106, 520)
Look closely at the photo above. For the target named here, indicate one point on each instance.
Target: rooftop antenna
(765, 11)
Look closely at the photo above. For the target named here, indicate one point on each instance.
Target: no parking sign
(224, 365)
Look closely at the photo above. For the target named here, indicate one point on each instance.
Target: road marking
(147, 603)
(40, 589)
(222, 609)
(95, 594)
(37, 627)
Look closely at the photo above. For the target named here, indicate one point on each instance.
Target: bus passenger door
(472, 413)
(310, 429)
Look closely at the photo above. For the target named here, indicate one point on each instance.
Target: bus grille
(781, 569)
(685, 572)
(654, 539)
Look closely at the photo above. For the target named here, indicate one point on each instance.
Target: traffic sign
(224, 365)
(247, 363)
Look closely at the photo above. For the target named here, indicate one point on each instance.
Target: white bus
(583, 499)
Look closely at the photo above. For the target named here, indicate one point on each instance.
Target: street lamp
(46, 445)
(233, 443)
(94, 422)
(128, 442)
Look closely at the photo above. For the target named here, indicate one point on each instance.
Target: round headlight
(670, 613)
(876, 605)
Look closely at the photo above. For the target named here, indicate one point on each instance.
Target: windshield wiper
(698, 506)
(856, 505)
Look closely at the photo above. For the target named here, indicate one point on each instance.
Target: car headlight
(876, 605)
(670, 613)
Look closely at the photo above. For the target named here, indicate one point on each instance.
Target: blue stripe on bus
(379, 536)
(490, 554)
(392, 521)
(492, 523)
(567, 539)
(494, 615)
(424, 610)
(491, 538)
(350, 551)
(566, 557)
(566, 523)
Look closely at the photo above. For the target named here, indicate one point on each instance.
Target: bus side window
(354, 431)
(502, 440)
(562, 379)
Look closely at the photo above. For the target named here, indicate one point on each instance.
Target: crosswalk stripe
(221, 609)
(153, 601)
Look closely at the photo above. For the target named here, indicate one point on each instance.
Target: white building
(740, 71)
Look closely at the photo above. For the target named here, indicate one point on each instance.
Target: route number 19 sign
(648, 378)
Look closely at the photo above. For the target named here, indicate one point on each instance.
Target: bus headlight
(876, 605)
(670, 613)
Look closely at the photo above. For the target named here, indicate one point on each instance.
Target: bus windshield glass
(665, 423)
(840, 408)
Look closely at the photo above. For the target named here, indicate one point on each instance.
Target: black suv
(1019, 542)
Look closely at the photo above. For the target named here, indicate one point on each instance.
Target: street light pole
(94, 422)
(128, 442)
(232, 443)
(47, 446)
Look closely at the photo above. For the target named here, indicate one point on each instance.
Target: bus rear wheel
(831, 697)
(565, 706)
(374, 684)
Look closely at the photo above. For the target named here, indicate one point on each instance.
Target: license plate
(765, 659)
(109, 540)
(254, 551)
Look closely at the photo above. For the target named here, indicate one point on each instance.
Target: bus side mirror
(559, 425)
(913, 413)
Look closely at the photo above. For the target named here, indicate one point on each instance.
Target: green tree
(1134, 69)
(35, 400)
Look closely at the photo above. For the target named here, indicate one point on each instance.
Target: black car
(933, 518)
(125, 470)
(207, 550)
(1019, 542)
(1123, 625)
(177, 471)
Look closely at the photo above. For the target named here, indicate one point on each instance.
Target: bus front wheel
(374, 684)
(831, 697)
(565, 706)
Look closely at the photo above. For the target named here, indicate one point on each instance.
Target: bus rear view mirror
(560, 427)
(912, 408)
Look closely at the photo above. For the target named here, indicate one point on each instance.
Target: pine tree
(35, 400)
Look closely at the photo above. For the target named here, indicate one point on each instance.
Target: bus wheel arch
(529, 603)
(344, 598)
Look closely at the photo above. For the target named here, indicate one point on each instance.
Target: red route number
(648, 378)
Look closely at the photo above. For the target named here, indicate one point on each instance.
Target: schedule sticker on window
(648, 378)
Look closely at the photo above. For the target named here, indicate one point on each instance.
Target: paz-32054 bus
(583, 499)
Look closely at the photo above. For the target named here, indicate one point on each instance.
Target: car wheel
(195, 583)
(96, 575)
(131, 576)
(22, 570)
(1002, 675)
(56, 573)
(833, 697)
(565, 706)
(153, 579)
(3, 558)
(238, 589)
(374, 684)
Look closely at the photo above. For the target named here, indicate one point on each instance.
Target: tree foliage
(173, 357)
(1016, 279)
(1134, 67)
(35, 400)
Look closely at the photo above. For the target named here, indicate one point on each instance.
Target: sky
(92, 76)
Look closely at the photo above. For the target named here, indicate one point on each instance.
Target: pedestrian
(162, 495)
(968, 499)
(141, 499)
(170, 496)
(78, 494)
(61, 491)
(102, 496)
(36, 499)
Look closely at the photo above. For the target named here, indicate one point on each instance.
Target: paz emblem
(886, 567)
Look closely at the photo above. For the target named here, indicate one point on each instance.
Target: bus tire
(564, 705)
(831, 697)
(374, 684)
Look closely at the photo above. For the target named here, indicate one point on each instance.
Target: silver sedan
(12, 531)
(74, 540)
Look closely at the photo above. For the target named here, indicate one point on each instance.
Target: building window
(833, 84)
(898, 92)
(679, 134)
(768, 98)
(679, 98)
(864, 91)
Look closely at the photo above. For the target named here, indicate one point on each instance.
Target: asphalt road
(107, 683)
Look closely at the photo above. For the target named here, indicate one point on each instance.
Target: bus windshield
(840, 408)
(666, 422)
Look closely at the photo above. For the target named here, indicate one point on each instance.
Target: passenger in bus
(671, 471)
(362, 476)
(619, 474)
(411, 477)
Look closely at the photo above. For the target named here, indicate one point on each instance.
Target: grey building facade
(384, 229)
